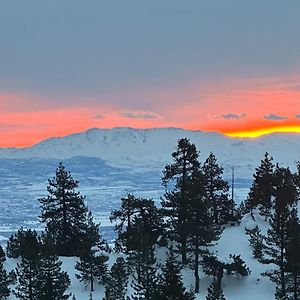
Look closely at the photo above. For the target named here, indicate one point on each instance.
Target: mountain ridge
(152, 147)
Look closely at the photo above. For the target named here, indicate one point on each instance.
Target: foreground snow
(233, 241)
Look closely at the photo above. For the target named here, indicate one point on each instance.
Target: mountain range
(152, 148)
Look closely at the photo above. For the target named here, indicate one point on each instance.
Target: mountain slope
(152, 148)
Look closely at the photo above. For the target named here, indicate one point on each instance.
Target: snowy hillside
(151, 148)
(255, 286)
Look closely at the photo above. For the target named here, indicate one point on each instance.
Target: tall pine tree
(277, 238)
(52, 281)
(293, 257)
(261, 191)
(203, 231)
(176, 201)
(64, 213)
(117, 281)
(218, 188)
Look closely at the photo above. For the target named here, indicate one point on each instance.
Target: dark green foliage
(213, 267)
(145, 281)
(224, 209)
(215, 292)
(24, 243)
(52, 281)
(293, 257)
(92, 268)
(66, 216)
(203, 231)
(2, 255)
(170, 285)
(261, 192)
(277, 239)
(256, 240)
(4, 283)
(237, 267)
(117, 281)
(176, 201)
(28, 285)
(139, 225)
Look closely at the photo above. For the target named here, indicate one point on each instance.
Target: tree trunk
(196, 270)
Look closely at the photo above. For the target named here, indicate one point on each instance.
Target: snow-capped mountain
(152, 148)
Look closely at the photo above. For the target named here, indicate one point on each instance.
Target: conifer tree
(117, 281)
(64, 213)
(2, 255)
(91, 268)
(293, 257)
(215, 292)
(256, 240)
(52, 281)
(213, 267)
(23, 242)
(224, 209)
(176, 201)
(4, 283)
(27, 286)
(261, 191)
(277, 238)
(203, 231)
(145, 281)
(170, 285)
(139, 225)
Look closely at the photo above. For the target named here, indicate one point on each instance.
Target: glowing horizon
(252, 134)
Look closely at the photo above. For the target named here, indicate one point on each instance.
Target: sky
(229, 66)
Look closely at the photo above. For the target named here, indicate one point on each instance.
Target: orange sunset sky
(69, 66)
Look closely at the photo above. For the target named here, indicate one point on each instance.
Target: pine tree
(261, 192)
(4, 283)
(52, 281)
(92, 237)
(27, 272)
(170, 285)
(215, 292)
(223, 208)
(175, 203)
(139, 225)
(293, 257)
(23, 243)
(116, 285)
(145, 281)
(213, 267)
(256, 240)
(92, 268)
(286, 195)
(203, 231)
(64, 213)
(2, 255)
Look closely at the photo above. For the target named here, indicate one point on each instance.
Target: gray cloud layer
(274, 117)
(233, 116)
(96, 47)
(140, 115)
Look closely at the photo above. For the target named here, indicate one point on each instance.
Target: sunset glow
(263, 131)
(106, 65)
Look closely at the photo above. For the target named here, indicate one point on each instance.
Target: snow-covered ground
(233, 241)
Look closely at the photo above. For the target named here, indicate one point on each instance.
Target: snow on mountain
(152, 148)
